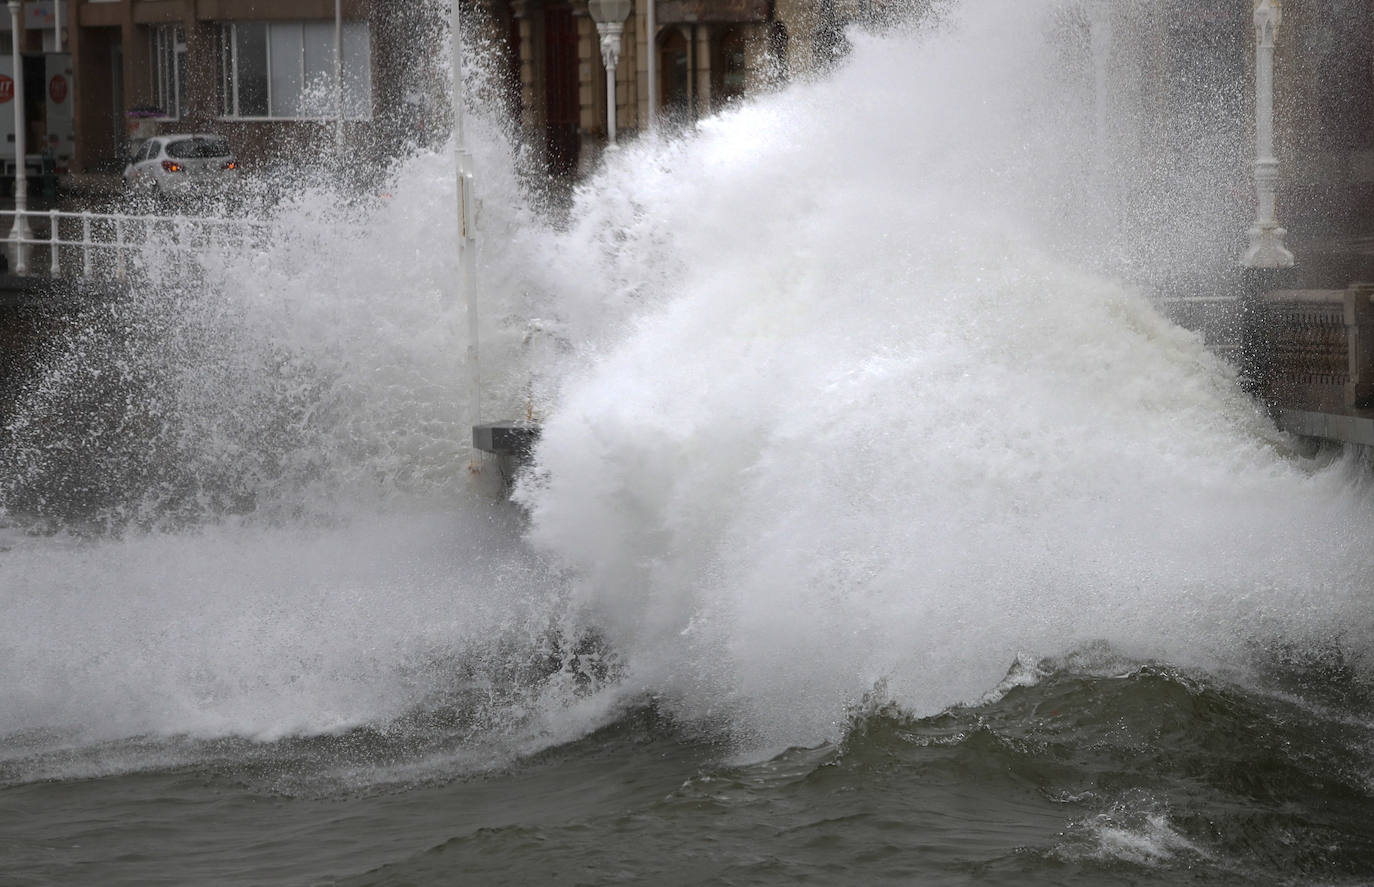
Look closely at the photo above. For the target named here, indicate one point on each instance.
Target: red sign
(6, 88)
(57, 88)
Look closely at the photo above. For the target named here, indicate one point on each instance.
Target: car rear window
(198, 148)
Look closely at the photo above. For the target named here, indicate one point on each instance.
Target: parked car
(182, 166)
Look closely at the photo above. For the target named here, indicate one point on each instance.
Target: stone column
(1266, 249)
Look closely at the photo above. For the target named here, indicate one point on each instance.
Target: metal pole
(20, 232)
(610, 54)
(467, 228)
(1266, 248)
(338, 77)
(87, 245)
(57, 23)
(651, 25)
(54, 244)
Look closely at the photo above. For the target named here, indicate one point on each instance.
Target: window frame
(167, 43)
(230, 82)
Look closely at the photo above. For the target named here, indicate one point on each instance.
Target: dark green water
(1140, 776)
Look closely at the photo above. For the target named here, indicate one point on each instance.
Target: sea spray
(852, 410)
(832, 398)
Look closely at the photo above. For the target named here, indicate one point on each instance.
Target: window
(185, 149)
(169, 64)
(285, 70)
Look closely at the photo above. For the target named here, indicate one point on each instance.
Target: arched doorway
(561, 110)
(729, 68)
(675, 84)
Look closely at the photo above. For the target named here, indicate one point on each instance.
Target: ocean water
(881, 529)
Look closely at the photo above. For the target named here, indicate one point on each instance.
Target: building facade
(266, 74)
(708, 54)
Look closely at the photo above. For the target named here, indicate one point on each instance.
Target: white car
(182, 165)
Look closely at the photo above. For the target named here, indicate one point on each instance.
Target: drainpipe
(692, 72)
(651, 26)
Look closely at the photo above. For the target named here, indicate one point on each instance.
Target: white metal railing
(109, 245)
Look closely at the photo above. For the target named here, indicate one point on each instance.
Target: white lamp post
(610, 16)
(467, 221)
(20, 231)
(1266, 248)
(338, 79)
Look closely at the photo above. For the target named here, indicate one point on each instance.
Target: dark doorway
(675, 89)
(729, 70)
(561, 109)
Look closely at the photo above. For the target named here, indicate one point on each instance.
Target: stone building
(263, 73)
(708, 53)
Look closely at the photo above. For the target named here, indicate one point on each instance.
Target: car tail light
(171, 166)
(230, 164)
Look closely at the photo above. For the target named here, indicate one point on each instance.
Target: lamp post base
(1266, 248)
(18, 238)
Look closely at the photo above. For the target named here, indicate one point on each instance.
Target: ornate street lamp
(1266, 248)
(610, 16)
(20, 231)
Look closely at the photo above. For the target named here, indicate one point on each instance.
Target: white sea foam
(868, 420)
(831, 399)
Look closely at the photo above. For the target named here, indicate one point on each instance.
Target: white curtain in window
(284, 50)
(286, 70)
(357, 70)
(318, 40)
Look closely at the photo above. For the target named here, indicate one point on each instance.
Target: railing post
(19, 236)
(86, 246)
(179, 245)
(54, 239)
(119, 247)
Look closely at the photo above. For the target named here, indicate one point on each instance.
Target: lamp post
(1266, 248)
(19, 233)
(338, 79)
(610, 16)
(467, 219)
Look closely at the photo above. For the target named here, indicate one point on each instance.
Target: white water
(839, 403)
